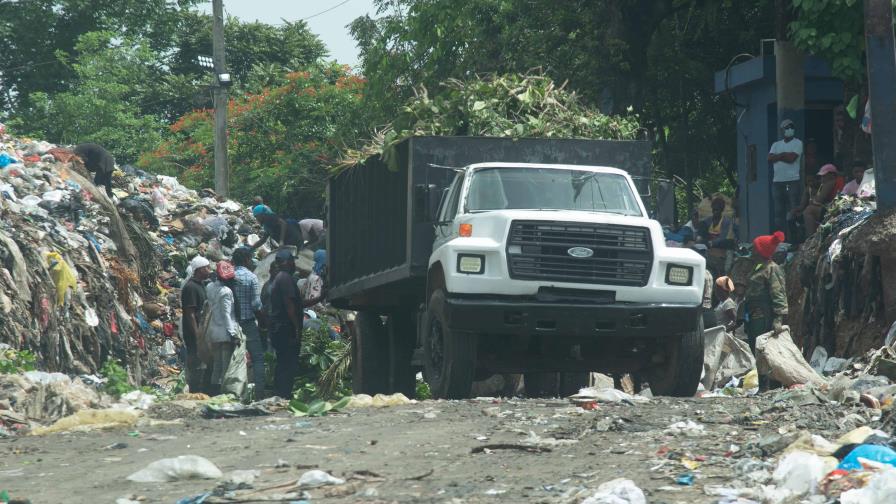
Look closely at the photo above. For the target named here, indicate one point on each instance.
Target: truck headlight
(471, 264)
(679, 275)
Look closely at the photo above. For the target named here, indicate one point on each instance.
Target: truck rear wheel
(449, 356)
(402, 330)
(679, 374)
(370, 355)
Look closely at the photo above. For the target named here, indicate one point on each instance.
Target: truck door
(446, 229)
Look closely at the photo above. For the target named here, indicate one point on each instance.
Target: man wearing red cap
(765, 302)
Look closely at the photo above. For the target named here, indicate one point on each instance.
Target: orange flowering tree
(282, 139)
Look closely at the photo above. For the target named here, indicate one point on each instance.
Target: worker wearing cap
(826, 193)
(765, 301)
(786, 158)
(286, 323)
(285, 232)
(192, 301)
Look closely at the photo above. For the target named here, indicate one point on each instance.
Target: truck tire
(449, 356)
(370, 355)
(679, 374)
(402, 330)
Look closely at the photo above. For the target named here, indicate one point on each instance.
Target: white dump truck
(474, 256)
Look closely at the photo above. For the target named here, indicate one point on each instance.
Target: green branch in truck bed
(513, 106)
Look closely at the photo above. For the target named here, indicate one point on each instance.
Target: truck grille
(540, 250)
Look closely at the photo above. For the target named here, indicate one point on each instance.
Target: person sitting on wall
(826, 192)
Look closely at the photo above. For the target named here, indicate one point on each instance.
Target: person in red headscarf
(765, 302)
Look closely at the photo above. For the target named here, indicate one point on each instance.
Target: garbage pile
(835, 292)
(85, 277)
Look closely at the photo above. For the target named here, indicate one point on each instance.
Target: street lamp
(205, 61)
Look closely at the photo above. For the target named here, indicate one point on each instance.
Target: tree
(40, 37)
(656, 57)
(834, 31)
(111, 85)
(282, 139)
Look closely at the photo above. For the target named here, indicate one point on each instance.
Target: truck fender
(435, 279)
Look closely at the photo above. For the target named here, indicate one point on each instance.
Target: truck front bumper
(526, 317)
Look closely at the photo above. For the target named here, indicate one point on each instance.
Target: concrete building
(751, 84)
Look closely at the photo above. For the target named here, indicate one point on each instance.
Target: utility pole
(881, 58)
(790, 81)
(222, 80)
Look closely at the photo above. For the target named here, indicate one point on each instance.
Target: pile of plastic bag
(85, 277)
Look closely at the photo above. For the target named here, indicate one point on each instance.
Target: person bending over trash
(284, 232)
(765, 302)
(97, 160)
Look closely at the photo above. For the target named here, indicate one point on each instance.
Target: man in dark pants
(97, 160)
(192, 302)
(286, 324)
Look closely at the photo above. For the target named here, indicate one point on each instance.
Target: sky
(329, 20)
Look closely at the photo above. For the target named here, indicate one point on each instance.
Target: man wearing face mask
(786, 156)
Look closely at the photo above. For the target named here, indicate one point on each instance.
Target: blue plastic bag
(6, 160)
(875, 453)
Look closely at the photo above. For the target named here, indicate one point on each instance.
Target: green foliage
(112, 80)
(503, 106)
(117, 382)
(41, 36)
(422, 391)
(834, 31)
(316, 408)
(281, 139)
(16, 361)
(657, 57)
(324, 368)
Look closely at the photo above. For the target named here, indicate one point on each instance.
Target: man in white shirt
(786, 156)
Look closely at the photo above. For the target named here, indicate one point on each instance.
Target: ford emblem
(580, 252)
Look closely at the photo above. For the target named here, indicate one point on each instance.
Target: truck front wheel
(449, 356)
(679, 373)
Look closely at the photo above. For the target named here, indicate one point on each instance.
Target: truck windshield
(508, 188)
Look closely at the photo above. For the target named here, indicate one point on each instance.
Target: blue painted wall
(752, 84)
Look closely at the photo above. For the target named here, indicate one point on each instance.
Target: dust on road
(439, 451)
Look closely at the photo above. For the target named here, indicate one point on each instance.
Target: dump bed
(379, 232)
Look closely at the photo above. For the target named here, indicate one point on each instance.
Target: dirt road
(438, 451)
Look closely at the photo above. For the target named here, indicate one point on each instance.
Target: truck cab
(555, 270)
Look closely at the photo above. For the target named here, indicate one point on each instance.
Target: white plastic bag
(179, 468)
(317, 478)
(779, 357)
(799, 471)
(236, 376)
(617, 491)
(881, 488)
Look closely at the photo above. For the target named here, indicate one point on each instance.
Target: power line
(340, 4)
(29, 65)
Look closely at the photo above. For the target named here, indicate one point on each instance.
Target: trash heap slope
(83, 277)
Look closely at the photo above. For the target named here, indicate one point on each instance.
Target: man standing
(286, 324)
(248, 297)
(97, 160)
(786, 156)
(192, 301)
